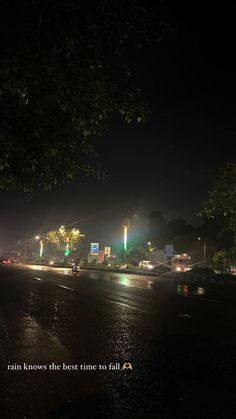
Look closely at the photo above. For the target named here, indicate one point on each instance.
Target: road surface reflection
(127, 280)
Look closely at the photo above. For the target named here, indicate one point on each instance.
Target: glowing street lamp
(125, 237)
(204, 248)
(41, 248)
(67, 251)
(150, 249)
(126, 226)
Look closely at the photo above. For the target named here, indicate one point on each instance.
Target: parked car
(145, 264)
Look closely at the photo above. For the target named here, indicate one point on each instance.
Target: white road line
(127, 305)
(38, 279)
(67, 288)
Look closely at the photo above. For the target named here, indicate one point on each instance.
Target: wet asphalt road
(181, 344)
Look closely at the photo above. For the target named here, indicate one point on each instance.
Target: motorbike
(75, 270)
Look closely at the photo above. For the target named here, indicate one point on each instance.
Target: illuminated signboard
(94, 249)
(107, 251)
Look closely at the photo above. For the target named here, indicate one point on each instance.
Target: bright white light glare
(200, 291)
(36, 267)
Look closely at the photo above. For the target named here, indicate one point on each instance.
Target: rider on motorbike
(75, 268)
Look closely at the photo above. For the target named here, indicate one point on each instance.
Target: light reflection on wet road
(129, 280)
(178, 344)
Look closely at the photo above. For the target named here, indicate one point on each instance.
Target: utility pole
(204, 249)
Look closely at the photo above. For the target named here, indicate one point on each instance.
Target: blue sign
(169, 250)
(94, 249)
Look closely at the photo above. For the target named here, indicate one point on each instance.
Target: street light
(126, 226)
(150, 249)
(67, 250)
(37, 237)
(204, 249)
(41, 249)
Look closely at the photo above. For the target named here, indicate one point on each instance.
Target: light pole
(204, 251)
(67, 250)
(204, 248)
(40, 246)
(149, 249)
(126, 226)
(41, 249)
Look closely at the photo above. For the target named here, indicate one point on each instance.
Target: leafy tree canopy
(63, 73)
(221, 262)
(64, 235)
(221, 203)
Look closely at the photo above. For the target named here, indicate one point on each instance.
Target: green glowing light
(67, 251)
(125, 238)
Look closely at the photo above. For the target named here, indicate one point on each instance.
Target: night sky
(169, 163)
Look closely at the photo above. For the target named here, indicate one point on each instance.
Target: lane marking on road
(38, 279)
(128, 306)
(67, 288)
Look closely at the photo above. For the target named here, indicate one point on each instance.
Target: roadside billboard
(94, 249)
(107, 251)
